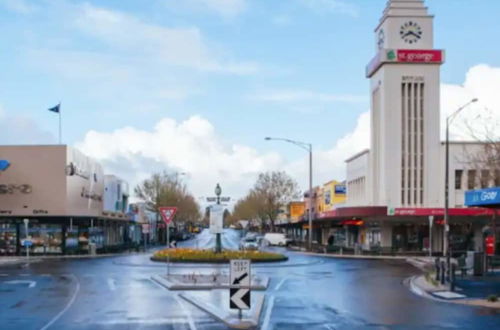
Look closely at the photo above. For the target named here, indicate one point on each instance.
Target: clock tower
(405, 159)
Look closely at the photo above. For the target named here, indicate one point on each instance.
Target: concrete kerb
(229, 319)
(352, 256)
(174, 285)
(415, 285)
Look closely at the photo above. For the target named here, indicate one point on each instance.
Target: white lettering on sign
(489, 196)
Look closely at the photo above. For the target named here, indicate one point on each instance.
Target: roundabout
(187, 255)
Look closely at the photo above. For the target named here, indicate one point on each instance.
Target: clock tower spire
(405, 82)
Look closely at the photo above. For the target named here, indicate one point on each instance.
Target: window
(458, 179)
(471, 179)
(485, 178)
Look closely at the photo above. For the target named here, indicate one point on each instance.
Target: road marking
(280, 284)
(190, 320)
(68, 305)
(267, 317)
(31, 284)
(112, 284)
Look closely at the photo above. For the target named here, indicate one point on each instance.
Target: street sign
(168, 213)
(214, 199)
(239, 292)
(216, 218)
(243, 223)
(27, 243)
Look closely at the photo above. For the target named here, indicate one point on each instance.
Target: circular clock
(381, 39)
(410, 32)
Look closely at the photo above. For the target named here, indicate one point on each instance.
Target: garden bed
(209, 256)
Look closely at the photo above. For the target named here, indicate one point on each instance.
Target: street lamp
(308, 148)
(446, 239)
(218, 241)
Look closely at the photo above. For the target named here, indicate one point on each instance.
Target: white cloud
(293, 96)
(338, 6)
(482, 82)
(19, 6)
(190, 146)
(183, 47)
(22, 130)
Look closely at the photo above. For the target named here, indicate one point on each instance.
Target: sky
(194, 86)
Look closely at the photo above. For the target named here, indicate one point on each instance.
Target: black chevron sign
(239, 298)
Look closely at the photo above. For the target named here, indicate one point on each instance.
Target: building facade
(54, 197)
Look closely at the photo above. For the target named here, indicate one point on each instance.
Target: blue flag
(56, 108)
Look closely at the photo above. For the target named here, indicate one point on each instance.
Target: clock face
(381, 39)
(411, 32)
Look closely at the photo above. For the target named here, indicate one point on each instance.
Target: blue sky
(245, 68)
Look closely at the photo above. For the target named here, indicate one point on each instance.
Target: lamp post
(218, 242)
(308, 148)
(446, 238)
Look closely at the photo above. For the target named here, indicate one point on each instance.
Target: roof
(359, 154)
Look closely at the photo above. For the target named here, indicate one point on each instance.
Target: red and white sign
(420, 56)
(168, 213)
(490, 245)
(440, 211)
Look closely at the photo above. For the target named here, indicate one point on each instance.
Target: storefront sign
(420, 56)
(340, 189)
(15, 188)
(483, 197)
(440, 211)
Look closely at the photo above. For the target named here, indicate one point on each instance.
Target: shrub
(492, 298)
(195, 255)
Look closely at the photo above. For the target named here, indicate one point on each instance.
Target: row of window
(475, 179)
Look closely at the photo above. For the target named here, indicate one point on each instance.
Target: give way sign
(168, 213)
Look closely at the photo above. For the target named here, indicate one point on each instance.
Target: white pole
(26, 221)
(60, 139)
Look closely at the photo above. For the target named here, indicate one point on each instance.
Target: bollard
(437, 269)
(452, 277)
(443, 271)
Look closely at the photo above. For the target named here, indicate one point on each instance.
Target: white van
(277, 239)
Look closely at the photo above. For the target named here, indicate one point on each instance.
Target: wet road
(304, 293)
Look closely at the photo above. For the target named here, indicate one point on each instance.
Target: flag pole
(60, 140)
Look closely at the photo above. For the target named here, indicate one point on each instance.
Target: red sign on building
(420, 56)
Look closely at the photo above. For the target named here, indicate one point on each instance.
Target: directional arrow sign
(239, 280)
(167, 213)
(239, 298)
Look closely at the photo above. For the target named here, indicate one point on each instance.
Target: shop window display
(8, 239)
(47, 239)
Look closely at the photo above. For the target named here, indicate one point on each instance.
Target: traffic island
(213, 281)
(209, 256)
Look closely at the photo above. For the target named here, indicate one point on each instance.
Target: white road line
(189, 317)
(112, 284)
(31, 284)
(278, 286)
(267, 317)
(190, 320)
(68, 305)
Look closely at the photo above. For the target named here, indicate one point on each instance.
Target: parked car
(277, 239)
(249, 243)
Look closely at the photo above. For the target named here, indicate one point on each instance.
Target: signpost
(431, 222)
(167, 213)
(26, 222)
(239, 289)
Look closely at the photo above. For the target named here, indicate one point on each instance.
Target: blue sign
(27, 243)
(483, 197)
(340, 189)
(4, 164)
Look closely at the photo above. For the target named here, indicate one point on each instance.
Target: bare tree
(276, 189)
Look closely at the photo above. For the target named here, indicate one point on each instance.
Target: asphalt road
(304, 293)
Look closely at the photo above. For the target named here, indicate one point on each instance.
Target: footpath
(5, 261)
